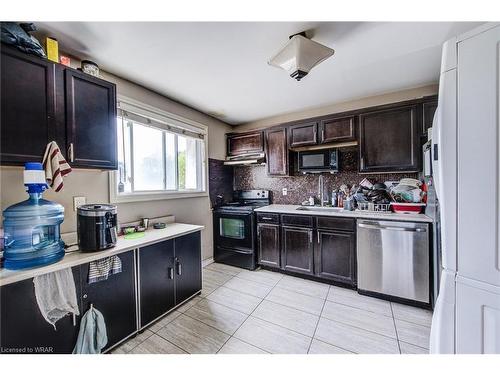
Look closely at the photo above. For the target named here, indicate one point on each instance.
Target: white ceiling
(222, 67)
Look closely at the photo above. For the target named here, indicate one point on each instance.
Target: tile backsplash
(300, 187)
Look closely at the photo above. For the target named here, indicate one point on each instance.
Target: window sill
(115, 198)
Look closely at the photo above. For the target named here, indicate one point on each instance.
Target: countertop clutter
(122, 245)
(328, 211)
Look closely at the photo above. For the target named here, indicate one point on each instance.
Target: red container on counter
(407, 208)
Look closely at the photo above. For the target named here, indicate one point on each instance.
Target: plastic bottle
(32, 235)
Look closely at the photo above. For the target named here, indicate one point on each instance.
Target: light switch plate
(284, 191)
(78, 201)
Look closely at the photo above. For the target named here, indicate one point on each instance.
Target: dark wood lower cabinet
(335, 256)
(187, 266)
(114, 298)
(156, 280)
(268, 237)
(23, 328)
(297, 249)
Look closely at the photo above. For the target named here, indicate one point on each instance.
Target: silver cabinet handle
(384, 227)
(318, 237)
(179, 266)
(310, 236)
(71, 152)
(266, 218)
(170, 273)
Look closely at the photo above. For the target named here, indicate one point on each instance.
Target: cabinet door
(22, 325)
(114, 298)
(428, 110)
(337, 130)
(276, 152)
(297, 249)
(90, 121)
(187, 266)
(389, 140)
(336, 256)
(269, 245)
(245, 143)
(156, 280)
(304, 134)
(27, 107)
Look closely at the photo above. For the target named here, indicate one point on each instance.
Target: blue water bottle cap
(32, 166)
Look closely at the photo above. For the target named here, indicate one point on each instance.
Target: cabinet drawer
(339, 223)
(263, 217)
(297, 220)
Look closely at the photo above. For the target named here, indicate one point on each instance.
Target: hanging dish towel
(92, 336)
(56, 295)
(101, 269)
(55, 166)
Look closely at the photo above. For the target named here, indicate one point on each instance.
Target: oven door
(234, 230)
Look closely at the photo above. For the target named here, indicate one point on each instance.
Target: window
(158, 157)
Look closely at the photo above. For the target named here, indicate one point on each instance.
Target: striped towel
(55, 166)
(101, 269)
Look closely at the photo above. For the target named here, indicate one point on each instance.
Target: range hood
(247, 159)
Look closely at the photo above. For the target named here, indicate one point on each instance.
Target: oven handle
(381, 227)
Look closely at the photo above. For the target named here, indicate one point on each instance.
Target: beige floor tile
(193, 336)
(132, 342)
(352, 298)
(411, 349)
(248, 287)
(164, 321)
(208, 287)
(412, 314)
(236, 346)
(377, 323)
(261, 276)
(224, 268)
(287, 317)
(187, 305)
(411, 333)
(311, 288)
(320, 347)
(215, 277)
(298, 301)
(354, 339)
(233, 299)
(272, 338)
(218, 316)
(156, 345)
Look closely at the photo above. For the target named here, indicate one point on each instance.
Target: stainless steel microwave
(317, 161)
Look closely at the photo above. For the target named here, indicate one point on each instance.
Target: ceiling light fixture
(300, 55)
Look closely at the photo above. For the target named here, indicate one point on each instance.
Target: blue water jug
(32, 236)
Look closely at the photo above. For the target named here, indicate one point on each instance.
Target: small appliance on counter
(96, 227)
(32, 235)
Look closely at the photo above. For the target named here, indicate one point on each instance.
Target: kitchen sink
(319, 208)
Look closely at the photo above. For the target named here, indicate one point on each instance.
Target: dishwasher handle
(387, 227)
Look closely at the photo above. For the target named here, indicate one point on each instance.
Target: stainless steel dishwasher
(393, 259)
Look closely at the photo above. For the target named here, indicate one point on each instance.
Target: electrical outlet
(284, 191)
(78, 201)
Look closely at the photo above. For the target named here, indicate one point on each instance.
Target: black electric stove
(235, 229)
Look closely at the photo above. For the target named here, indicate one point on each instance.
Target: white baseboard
(206, 262)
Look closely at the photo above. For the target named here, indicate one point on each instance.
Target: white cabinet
(478, 318)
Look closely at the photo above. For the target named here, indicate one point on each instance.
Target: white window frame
(168, 118)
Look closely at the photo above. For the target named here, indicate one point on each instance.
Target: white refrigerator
(466, 165)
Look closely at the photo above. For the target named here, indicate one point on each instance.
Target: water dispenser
(32, 236)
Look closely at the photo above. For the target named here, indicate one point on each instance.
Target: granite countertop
(122, 245)
(293, 209)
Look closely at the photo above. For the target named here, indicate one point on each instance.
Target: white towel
(101, 269)
(56, 295)
(55, 166)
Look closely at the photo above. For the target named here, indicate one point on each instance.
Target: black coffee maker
(96, 227)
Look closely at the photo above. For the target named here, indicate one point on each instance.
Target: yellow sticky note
(52, 49)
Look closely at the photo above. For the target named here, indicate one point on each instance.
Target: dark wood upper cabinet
(305, 134)
(337, 130)
(297, 250)
(268, 238)
(428, 110)
(43, 101)
(389, 140)
(245, 143)
(277, 152)
(90, 121)
(27, 107)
